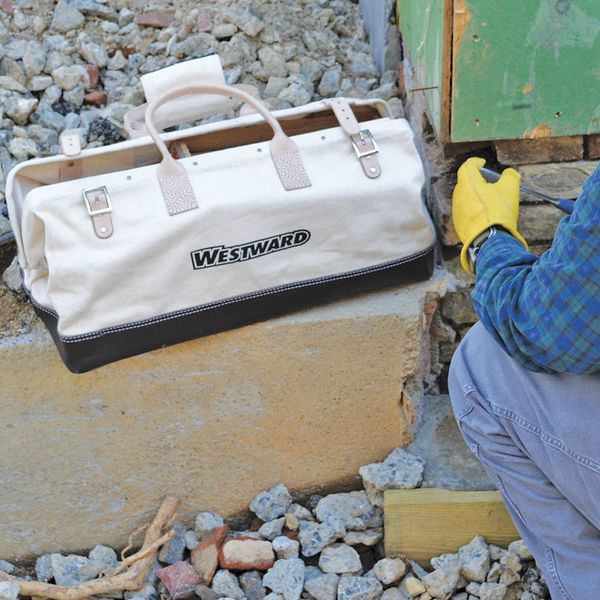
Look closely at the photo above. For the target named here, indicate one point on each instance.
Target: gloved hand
(477, 205)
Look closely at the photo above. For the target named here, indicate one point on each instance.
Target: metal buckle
(362, 153)
(98, 211)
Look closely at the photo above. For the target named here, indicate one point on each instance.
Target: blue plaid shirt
(545, 311)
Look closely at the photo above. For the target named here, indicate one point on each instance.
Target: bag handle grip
(173, 179)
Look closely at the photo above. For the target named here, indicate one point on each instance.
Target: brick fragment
(96, 97)
(7, 7)
(204, 20)
(244, 553)
(180, 579)
(594, 147)
(162, 17)
(542, 150)
(293, 535)
(205, 556)
(94, 75)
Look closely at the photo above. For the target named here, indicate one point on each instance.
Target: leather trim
(345, 116)
(84, 353)
(177, 190)
(70, 146)
(286, 158)
(364, 145)
(70, 142)
(99, 210)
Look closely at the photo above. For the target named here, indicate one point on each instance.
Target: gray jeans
(538, 436)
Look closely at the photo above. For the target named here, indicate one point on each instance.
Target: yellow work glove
(478, 205)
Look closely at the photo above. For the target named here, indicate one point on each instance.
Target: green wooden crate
(506, 69)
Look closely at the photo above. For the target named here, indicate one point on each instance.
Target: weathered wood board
(525, 69)
(506, 70)
(426, 32)
(426, 522)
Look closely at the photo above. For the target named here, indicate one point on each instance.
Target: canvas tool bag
(125, 249)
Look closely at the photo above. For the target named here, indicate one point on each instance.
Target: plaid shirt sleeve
(545, 311)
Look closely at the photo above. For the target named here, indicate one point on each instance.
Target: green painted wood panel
(525, 68)
(421, 24)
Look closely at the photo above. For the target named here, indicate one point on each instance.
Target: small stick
(143, 553)
(130, 540)
(130, 580)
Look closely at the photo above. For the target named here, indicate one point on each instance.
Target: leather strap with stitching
(99, 209)
(364, 144)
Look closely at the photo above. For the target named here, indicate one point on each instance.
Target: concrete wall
(305, 400)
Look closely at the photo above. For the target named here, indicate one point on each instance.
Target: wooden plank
(525, 69)
(444, 133)
(426, 522)
(425, 26)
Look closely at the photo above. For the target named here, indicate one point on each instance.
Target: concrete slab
(449, 464)
(304, 400)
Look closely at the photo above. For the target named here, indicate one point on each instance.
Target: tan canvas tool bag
(125, 249)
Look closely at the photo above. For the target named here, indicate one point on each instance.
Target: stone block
(457, 307)
(440, 204)
(172, 551)
(557, 179)
(449, 464)
(538, 222)
(542, 150)
(214, 421)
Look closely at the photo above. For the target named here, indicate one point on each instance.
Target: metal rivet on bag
(373, 170)
(322, 137)
(195, 163)
(129, 177)
(259, 149)
(103, 230)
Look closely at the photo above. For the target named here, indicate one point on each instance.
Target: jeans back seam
(552, 568)
(546, 439)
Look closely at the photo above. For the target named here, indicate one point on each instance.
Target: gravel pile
(327, 548)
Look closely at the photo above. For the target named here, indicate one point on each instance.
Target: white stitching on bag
(187, 311)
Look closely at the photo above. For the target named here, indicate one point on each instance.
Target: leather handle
(172, 175)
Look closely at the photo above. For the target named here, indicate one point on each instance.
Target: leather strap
(173, 179)
(99, 208)
(70, 145)
(366, 150)
(364, 145)
(345, 116)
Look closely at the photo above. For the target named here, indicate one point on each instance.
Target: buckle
(360, 153)
(88, 203)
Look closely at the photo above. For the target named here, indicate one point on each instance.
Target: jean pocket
(463, 405)
(509, 501)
